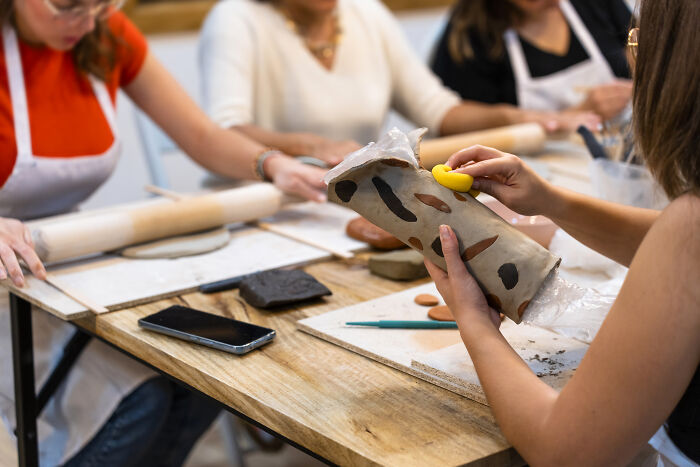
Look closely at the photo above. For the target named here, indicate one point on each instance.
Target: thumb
(456, 269)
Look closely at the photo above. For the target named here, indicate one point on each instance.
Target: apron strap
(517, 56)
(18, 96)
(583, 34)
(103, 98)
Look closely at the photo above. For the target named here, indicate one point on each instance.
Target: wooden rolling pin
(106, 231)
(526, 138)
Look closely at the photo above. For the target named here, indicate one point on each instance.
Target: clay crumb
(531, 341)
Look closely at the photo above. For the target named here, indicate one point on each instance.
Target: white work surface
(117, 282)
(438, 355)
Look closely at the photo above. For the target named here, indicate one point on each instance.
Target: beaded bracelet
(259, 161)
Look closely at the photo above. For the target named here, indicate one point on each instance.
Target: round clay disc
(177, 247)
(426, 299)
(363, 230)
(440, 313)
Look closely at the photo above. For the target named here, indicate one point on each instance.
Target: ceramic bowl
(539, 228)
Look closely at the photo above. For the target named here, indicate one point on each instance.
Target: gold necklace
(321, 50)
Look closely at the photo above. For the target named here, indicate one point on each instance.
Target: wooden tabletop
(344, 407)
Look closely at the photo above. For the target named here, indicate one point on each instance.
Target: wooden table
(344, 408)
(335, 404)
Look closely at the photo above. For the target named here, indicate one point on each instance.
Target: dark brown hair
(95, 54)
(666, 93)
(488, 19)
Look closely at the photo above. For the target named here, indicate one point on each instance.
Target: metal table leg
(25, 396)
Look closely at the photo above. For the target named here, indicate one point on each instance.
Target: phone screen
(206, 325)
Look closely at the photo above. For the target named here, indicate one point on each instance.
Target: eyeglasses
(77, 12)
(633, 41)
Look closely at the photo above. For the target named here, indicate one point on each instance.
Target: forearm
(474, 116)
(290, 143)
(519, 400)
(611, 229)
(225, 152)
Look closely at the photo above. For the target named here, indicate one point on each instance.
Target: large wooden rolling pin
(526, 138)
(106, 231)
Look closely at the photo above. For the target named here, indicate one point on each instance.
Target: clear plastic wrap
(568, 309)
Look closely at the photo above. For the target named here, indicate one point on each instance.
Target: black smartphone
(207, 329)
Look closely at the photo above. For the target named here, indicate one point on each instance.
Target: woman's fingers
(306, 190)
(472, 154)
(435, 272)
(32, 260)
(9, 260)
(315, 187)
(505, 165)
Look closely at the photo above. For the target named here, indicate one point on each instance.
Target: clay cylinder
(74, 236)
(521, 139)
(406, 201)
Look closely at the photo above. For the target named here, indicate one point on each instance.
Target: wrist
(261, 161)
(474, 326)
(556, 203)
(510, 114)
(272, 165)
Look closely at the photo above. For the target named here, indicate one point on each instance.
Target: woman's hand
(295, 178)
(457, 287)
(608, 100)
(328, 150)
(15, 239)
(567, 120)
(506, 178)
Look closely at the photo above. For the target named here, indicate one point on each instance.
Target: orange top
(65, 117)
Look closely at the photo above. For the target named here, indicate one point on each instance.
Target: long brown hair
(95, 53)
(667, 93)
(489, 19)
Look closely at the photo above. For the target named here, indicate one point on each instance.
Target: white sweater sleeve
(226, 64)
(417, 93)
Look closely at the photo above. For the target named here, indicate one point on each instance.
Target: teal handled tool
(406, 324)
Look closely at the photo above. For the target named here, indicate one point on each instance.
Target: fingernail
(444, 232)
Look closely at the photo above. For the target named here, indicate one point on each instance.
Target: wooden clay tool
(517, 139)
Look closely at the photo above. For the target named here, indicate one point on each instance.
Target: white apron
(101, 377)
(669, 454)
(558, 91)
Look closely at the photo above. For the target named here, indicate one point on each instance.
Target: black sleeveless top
(683, 425)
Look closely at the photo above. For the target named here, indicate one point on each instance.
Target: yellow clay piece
(454, 180)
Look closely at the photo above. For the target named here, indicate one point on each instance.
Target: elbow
(562, 450)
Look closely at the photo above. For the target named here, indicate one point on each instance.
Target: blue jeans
(156, 425)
